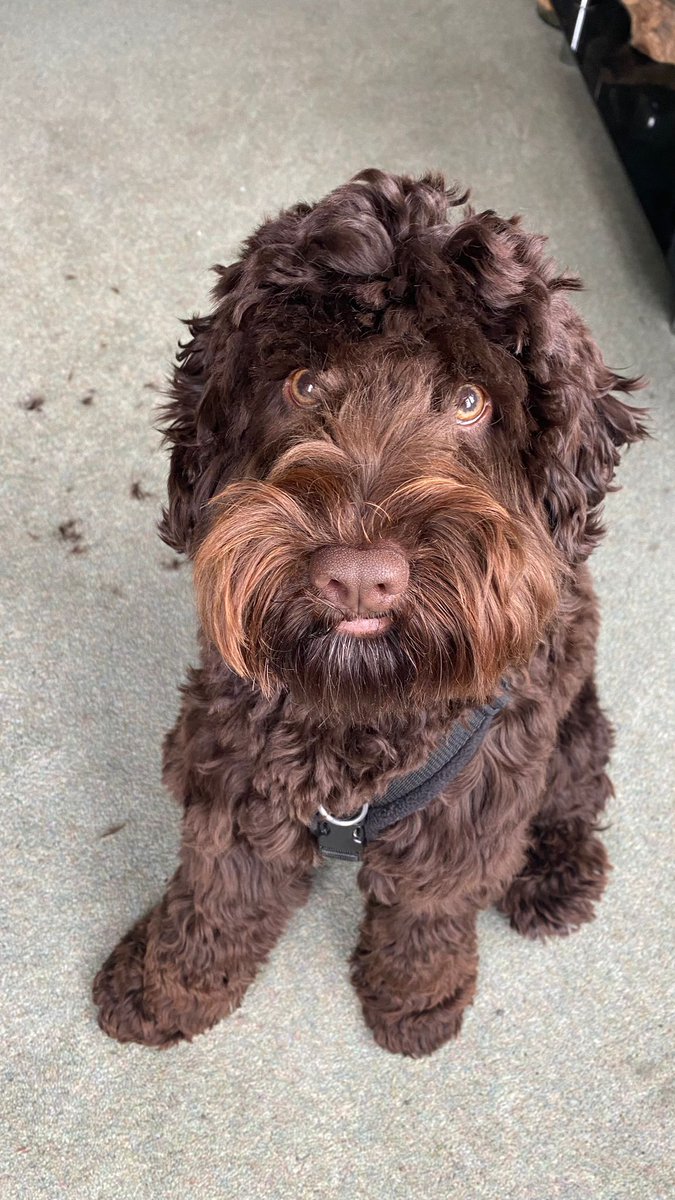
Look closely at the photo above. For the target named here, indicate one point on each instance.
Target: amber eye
(299, 388)
(470, 403)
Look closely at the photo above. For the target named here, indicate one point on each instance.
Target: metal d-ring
(352, 820)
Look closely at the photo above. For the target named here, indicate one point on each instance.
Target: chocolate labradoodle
(391, 441)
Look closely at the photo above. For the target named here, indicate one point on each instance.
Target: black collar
(409, 793)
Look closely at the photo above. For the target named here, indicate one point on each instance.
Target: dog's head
(391, 440)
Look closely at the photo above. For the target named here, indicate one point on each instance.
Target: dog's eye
(470, 403)
(299, 388)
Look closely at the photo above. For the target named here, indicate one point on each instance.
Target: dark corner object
(635, 97)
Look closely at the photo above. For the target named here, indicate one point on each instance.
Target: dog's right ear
(205, 417)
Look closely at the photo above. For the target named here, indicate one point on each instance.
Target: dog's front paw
(416, 1034)
(554, 895)
(408, 1027)
(118, 992)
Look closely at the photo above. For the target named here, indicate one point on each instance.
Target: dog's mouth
(362, 627)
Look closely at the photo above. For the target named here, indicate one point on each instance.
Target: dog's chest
(303, 766)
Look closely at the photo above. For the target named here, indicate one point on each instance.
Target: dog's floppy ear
(577, 426)
(580, 426)
(205, 417)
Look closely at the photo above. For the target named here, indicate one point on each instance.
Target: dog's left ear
(577, 426)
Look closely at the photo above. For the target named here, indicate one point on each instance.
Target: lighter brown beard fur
(484, 583)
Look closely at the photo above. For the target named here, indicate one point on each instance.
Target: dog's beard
(483, 586)
(337, 672)
(415, 663)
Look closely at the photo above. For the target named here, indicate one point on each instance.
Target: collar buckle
(342, 838)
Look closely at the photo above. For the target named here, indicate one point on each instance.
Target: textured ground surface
(140, 142)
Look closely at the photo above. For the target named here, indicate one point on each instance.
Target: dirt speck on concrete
(71, 532)
(138, 492)
(112, 830)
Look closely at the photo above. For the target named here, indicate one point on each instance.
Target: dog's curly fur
(391, 306)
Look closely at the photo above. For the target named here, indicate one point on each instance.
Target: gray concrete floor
(140, 142)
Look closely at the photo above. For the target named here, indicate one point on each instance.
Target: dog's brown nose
(359, 581)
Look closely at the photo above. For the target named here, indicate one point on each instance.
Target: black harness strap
(345, 838)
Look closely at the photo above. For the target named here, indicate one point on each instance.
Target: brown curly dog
(391, 441)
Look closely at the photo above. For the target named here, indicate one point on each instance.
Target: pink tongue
(364, 625)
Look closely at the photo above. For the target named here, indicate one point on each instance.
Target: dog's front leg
(415, 970)
(566, 869)
(189, 962)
